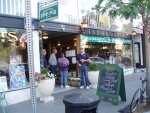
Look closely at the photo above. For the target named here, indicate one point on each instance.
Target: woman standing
(63, 64)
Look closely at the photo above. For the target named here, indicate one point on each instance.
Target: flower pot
(79, 83)
(46, 87)
(72, 83)
(75, 83)
(93, 78)
(69, 82)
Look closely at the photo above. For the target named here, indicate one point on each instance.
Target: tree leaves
(132, 9)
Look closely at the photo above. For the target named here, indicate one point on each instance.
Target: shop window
(112, 50)
(13, 59)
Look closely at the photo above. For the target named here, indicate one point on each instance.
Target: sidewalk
(132, 82)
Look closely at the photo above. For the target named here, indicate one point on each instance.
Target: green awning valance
(104, 39)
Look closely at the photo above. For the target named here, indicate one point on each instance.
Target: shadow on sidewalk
(125, 109)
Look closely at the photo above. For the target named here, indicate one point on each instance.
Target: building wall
(139, 39)
(68, 9)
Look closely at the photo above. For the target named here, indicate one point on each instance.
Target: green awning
(103, 39)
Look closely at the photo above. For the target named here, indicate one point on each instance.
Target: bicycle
(139, 96)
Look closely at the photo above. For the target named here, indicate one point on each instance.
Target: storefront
(47, 35)
(14, 77)
(13, 58)
(109, 45)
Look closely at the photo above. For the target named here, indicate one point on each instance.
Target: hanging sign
(48, 12)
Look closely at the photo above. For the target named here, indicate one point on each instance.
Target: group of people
(62, 66)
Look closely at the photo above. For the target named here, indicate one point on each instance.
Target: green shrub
(93, 67)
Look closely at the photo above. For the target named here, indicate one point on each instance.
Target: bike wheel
(136, 100)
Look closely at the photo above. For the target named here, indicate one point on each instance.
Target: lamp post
(133, 50)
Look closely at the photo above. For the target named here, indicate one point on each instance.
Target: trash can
(81, 103)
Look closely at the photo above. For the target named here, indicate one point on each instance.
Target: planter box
(93, 78)
(46, 88)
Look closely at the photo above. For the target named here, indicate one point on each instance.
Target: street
(132, 82)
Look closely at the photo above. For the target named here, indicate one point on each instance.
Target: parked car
(98, 60)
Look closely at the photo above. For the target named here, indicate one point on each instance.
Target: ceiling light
(58, 44)
(45, 37)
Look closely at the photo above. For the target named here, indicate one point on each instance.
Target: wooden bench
(3, 102)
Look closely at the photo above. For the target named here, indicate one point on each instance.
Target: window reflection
(13, 58)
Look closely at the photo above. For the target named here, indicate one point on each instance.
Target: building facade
(13, 43)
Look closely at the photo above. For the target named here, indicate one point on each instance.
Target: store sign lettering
(11, 36)
(99, 32)
(104, 39)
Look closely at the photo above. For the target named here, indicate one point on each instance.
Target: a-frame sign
(111, 83)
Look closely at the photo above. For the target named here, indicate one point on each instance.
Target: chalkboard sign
(111, 83)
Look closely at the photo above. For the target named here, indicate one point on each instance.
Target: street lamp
(84, 25)
(134, 33)
(133, 36)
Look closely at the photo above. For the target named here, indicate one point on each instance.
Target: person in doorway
(63, 64)
(111, 59)
(45, 65)
(82, 59)
(118, 59)
(53, 62)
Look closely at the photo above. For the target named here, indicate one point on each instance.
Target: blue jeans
(63, 77)
(83, 70)
(53, 69)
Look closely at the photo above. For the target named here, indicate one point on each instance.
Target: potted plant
(93, 73)
(45, 84)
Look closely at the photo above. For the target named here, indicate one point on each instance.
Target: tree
(133, 9)
(126, 27)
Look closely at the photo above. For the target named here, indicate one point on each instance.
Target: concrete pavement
(132, 82)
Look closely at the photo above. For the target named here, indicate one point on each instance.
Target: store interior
(63, 42)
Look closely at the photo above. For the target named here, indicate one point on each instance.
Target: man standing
(44, 58)
(82, 60)
(53, 61)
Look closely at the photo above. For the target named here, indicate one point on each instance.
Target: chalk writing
(109, 81)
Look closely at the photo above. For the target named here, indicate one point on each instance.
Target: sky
(86, 5)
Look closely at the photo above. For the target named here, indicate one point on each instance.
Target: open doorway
(63, 42)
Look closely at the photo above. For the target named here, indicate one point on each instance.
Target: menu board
(17, 77)
(70, 53)
(111, 83)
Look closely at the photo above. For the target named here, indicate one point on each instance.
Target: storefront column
(36, 51)
(77, 48)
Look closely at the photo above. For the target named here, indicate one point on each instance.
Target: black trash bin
(81, 103)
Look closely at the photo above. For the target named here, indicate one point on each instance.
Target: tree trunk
(147, 48)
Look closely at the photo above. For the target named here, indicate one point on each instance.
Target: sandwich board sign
(111, 83)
